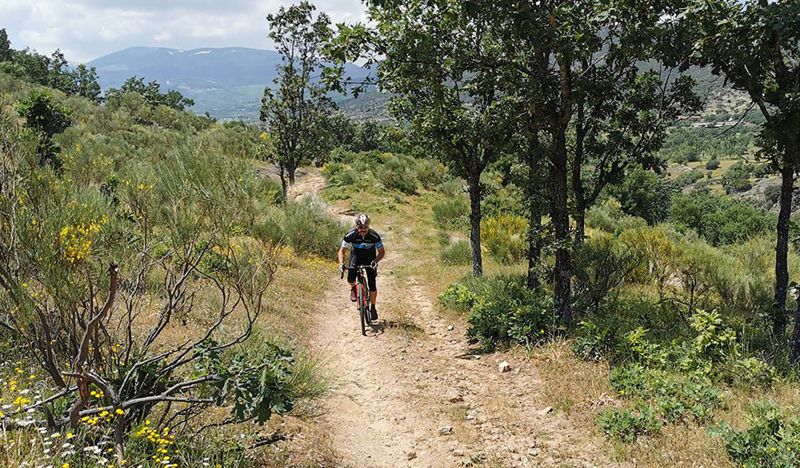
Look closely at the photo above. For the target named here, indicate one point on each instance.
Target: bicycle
(362, 296)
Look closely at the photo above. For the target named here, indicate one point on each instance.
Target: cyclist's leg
(351, 278)
(373, 287)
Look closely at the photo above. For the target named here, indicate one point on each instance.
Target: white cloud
(87, 29)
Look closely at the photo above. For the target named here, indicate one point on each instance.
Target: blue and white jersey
(365, 248)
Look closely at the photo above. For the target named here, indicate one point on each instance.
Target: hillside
(225, 82)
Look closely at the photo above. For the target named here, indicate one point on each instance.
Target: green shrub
(457, 253)
(772, 194)
(462, 295)
(672, 395)
(592, 342)
(737, 178)
(712, 165)
(308, 230)
(762, 170)
(452, 188)
(602, 264)
(430, 173)
(504, 238)
(507, 312)
(721, 220)
(773, 438)
(628, 425)
(501, 198)
(751, 371)
(451, 213)
(644, 194)
(688, 178)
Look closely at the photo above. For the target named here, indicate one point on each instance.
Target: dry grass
(578, 388)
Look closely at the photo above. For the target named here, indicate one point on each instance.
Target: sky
(88, 29)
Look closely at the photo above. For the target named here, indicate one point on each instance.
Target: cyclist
(367, 249)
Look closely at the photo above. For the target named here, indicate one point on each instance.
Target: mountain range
(226, 83)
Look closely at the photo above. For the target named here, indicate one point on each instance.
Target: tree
(151, 92)
(48, 118)
(577, 67)
(295, 112)
(755, 44)
(436, 61)
(83, 82)
(6, 52)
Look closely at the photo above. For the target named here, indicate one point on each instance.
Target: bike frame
(362, 296)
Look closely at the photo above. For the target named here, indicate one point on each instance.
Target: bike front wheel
(362, 309)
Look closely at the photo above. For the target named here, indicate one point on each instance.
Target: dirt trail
(421, 397)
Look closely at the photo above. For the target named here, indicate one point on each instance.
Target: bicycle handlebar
(356, 268)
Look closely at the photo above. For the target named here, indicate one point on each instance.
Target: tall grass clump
(308, 229)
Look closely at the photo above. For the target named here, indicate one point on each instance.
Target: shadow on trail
(402, 325)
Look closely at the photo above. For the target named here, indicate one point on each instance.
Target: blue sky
(87, 29)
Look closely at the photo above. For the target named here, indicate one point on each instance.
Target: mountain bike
(362, 296)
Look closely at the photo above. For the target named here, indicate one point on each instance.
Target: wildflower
(21, 401)
(119, 411)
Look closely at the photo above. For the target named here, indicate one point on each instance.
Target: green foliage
(592, 342)
(151, 92)
(309, 230)
(253, 385)
(773, 438)
(627, 425)
(608, 216)
(48, 117)
(712, 165)
(44, 114)
(397, 173)
(720, 220)
(451, 213)
(684, 144)
(502, 310)
(644, 194)
(379, 172)
(602, 264)
(737, 178)
(672, 396)
(500, 196)
(504, 237)
(297, 110)
(456, 253)
(688, 178)
(462, 295)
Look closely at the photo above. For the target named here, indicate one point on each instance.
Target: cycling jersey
(365, 248)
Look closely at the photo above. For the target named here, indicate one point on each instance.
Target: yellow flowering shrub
(76, 240)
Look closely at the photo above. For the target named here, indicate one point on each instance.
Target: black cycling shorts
(371, 274)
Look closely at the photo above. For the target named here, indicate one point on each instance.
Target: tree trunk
(559, 213)
(779, 318)
(290, 169)
(578, 190)
(475, 221)
(534, 243)
(534, 217)
(284, 187)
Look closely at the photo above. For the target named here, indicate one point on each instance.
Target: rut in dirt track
(425, 398)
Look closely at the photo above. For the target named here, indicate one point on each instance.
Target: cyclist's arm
(345, 246)
(381, 253)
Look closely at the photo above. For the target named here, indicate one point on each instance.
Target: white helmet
(362, 220)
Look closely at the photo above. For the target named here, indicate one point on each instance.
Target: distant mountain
(225, 82)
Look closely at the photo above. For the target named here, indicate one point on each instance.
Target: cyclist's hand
(374, 265)
(341, 268)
